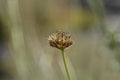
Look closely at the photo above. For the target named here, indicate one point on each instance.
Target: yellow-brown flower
(60, 40)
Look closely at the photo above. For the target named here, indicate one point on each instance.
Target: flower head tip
(60, 40)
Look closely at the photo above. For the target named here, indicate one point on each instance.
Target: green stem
(65, 65)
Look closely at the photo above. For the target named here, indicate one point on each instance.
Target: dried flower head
(60, 40)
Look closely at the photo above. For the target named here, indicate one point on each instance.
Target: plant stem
(65, 65)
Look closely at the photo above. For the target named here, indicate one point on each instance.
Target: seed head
(60, 40)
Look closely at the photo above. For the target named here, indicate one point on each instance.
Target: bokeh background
(25, 53)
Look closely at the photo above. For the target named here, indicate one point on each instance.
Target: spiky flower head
(60, 40)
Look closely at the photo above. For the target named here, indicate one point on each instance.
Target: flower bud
(60, 40)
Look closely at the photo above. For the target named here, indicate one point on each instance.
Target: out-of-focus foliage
(26, 24)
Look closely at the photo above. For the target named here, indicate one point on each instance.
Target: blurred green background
(25, 53)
